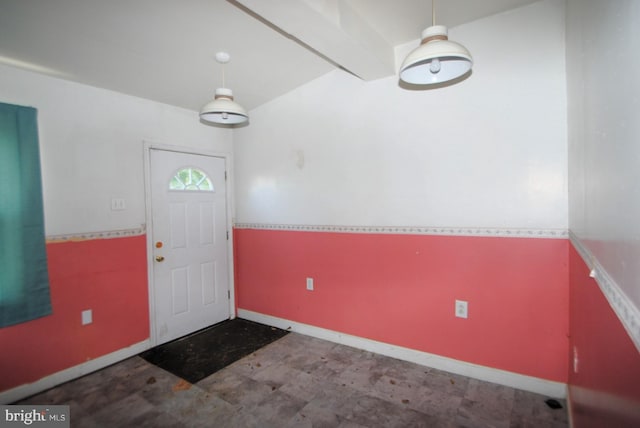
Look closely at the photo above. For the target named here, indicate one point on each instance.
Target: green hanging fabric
(24, 279)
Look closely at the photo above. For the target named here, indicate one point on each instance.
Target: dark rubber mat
(204, 352)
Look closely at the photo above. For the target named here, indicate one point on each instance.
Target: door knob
(159, 258)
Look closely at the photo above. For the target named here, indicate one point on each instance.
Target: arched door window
(192, 179)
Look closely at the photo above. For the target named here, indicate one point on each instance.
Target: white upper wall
(603, 74)
(91, 145)
(488, 152)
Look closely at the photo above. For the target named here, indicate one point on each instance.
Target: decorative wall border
(624, 308)
(87, 236)
(414, 230)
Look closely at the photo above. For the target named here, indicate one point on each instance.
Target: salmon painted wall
(108, 276)
(605, 364)
(401, 289)
(367, 155)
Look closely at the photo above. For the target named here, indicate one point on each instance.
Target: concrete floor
(298, 381)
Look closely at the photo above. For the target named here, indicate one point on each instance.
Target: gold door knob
(159, 258)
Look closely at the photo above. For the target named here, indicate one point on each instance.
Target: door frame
(152, 145)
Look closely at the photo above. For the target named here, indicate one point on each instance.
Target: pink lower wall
(401, 289)
(398, 289)
(108, 276)
(605, 389)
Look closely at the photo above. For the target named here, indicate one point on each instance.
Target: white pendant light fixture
(223, 109)
(437, 59)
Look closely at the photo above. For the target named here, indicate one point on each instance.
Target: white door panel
(189, 233)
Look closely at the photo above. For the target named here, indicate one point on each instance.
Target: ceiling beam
(333, 29)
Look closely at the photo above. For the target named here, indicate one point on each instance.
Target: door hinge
(227, 235)
(229, 294)
(225, 176)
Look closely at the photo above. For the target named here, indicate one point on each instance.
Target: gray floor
(298, 381)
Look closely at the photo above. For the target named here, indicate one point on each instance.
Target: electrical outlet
(117, 204)
(461, 309)
(87, 317)
(310, 284)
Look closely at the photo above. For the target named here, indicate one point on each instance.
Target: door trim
(153, 145)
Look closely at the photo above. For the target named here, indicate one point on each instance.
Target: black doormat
(204, 352)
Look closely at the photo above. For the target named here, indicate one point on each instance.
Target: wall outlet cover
(87, 317)
(118, 204)
(462, 309)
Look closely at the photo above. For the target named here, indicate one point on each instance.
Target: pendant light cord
(433, 12)
(222, 58)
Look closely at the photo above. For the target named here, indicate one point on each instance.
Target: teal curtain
(24, 279)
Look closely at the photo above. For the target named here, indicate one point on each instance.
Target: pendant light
(437, 59)
(223, 109)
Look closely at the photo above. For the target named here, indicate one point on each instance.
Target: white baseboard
(602, 404)
(570, 407)
(26, 390)
(502, 377)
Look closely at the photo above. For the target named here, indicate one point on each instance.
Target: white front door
(189, 239)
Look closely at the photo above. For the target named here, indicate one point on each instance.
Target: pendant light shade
(223, 109)
(437, 59)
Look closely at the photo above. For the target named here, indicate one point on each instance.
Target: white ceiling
(164, 50)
